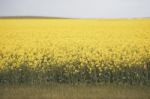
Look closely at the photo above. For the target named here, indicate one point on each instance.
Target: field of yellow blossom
(75, 51)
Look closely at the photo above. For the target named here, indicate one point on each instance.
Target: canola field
(75, 51)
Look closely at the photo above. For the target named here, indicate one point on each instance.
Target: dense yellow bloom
(67, 42)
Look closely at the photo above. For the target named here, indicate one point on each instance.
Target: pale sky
(76, 8)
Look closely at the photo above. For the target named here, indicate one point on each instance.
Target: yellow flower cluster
(74, 44)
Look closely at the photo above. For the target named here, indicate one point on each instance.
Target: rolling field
(75, 51)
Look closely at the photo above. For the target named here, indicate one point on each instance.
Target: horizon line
(55, 17)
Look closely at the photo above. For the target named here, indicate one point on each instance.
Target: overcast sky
(76, 8)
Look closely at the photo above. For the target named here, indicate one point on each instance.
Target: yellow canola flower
(104, 44)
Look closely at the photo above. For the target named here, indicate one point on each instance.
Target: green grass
(64, 91)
